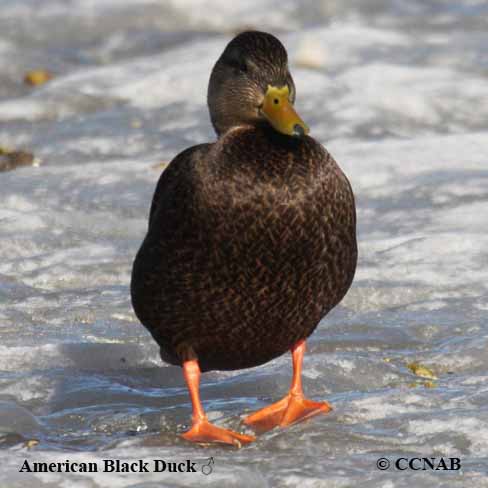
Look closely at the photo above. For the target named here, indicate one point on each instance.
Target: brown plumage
(251, 239)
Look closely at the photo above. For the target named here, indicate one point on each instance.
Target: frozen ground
(397, 91)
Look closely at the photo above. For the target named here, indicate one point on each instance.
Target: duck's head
(251, 85)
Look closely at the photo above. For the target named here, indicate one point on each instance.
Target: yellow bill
(280, 112)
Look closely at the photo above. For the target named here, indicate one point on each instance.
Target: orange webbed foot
(300, 408)
(204, 432)
(289, 410)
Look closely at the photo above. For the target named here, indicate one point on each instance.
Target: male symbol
(207, 468)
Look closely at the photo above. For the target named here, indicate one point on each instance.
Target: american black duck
(251, 239)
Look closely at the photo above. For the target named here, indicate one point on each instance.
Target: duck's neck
(260, 125)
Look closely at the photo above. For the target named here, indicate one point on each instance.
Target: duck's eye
(234, 59)
(276, 101)
(242, 68)
(239, 67)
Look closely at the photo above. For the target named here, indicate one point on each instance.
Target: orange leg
(294, 407)
(202, 430)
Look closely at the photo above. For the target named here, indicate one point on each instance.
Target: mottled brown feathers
(251, 242)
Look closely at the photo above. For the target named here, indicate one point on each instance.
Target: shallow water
(397, 92)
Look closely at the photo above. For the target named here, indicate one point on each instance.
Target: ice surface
(397, 91)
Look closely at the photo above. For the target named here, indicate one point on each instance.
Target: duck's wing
(175, 178)
(163, 260)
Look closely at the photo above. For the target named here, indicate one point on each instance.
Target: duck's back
(251, 242)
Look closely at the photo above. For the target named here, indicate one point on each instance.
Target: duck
(251, 239)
